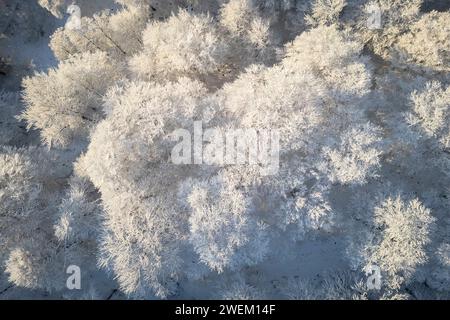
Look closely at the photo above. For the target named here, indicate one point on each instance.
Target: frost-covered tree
(117, 33)
(252, 39)
(195, 45)
(395, 240)
(43, 231)
(144, 229)
(395, 30)
(426, 45)
(65, 103)
(324, 12)
(27, 205)
(224, 214)
(19, 192)
(431, 112)
(396, 17)
(304, 103)
(406, 231)
(184, 45)
(222, 233)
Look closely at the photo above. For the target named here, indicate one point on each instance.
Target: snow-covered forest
(225, 149)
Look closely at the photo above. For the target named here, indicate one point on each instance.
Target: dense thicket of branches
(363, 116)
